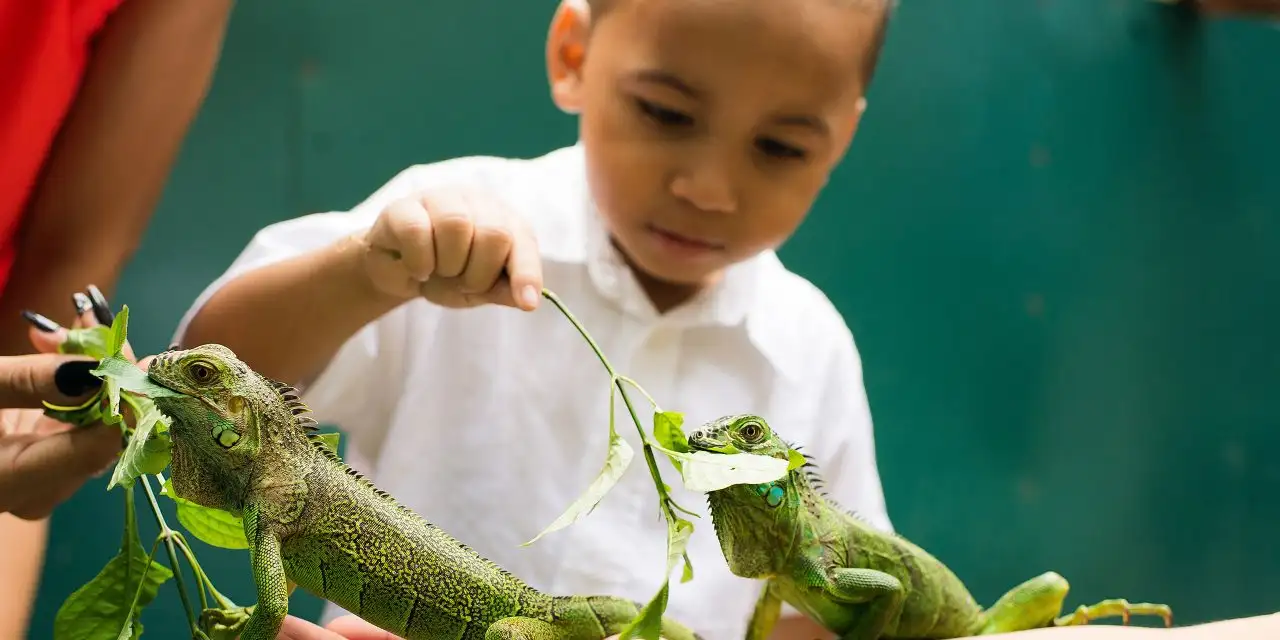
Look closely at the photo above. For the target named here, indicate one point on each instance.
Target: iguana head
(224, 419)
(752, 521)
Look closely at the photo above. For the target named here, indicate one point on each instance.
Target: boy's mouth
(683, 242)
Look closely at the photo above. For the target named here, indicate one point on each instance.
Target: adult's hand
(44, 461)
(348, 627)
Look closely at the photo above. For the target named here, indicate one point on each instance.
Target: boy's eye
(662, 115)
(778, 149)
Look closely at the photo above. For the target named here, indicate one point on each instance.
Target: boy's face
(710, 125)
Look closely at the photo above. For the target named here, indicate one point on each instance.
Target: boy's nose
(706, 185)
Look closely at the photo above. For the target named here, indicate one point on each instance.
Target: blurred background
(1055, 240)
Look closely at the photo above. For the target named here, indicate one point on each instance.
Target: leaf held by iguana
(214, 527)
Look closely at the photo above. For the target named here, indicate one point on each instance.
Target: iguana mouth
(704, 441)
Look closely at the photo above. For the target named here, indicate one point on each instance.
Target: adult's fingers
(100, 313)
(352, 627)
(44, 334)
(39, 472)
(26, 380)
(101, 310)
(299, 629)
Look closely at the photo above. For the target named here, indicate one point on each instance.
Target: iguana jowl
(856, 581)
(241, 443)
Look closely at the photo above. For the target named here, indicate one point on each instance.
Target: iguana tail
(600, 617)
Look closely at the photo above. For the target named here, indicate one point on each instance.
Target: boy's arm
(287, 319)
(151, 67)
(299, 291)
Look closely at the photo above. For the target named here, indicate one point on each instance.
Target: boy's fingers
(406, 229)
(491, 245)
(453, 231)
(524, 267)
(60, 379)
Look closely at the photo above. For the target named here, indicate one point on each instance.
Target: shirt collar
(740, 301)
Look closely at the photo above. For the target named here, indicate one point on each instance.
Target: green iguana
(242, 443)
(856, 581)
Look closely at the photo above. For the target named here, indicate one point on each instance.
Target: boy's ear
(846, 135)
(566, 53)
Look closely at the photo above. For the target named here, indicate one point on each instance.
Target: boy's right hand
(455, 248)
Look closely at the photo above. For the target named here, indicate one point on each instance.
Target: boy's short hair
(885, 7)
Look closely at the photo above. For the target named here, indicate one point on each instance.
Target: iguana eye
(751, 431)
(200, 372)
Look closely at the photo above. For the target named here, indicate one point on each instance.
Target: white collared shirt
(489, 422)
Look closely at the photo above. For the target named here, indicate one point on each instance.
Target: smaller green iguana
(242, 443)
(854, 580)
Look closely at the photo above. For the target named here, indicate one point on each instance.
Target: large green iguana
(241, 443)
(856, 581)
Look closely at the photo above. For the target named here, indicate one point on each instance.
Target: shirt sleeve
(350, 390)
(847, 440)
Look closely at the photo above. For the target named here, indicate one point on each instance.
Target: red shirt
(44, 51)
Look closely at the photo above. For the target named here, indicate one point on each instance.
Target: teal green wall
(1054, 240)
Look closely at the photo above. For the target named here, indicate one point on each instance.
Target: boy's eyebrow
(808, 122)
(658, 76)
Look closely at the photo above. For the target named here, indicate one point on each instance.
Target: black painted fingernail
(42, 323)
(101, 310)
(73, 378)
(82, 303)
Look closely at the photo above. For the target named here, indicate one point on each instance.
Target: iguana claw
(1115, 608)
(224, 624)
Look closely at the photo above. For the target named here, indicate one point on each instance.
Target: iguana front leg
(268, 576)
(765, 615)
(881, 595)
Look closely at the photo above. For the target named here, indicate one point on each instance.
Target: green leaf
(90, 412)
(109, 605)
(795, 460)
(148, 450)
(330, 440)
(667, 431)
(616, 462)
(119, 332)
(213, 526)
(89, 341)
(127, 376)
(648, 625)
(705, 471)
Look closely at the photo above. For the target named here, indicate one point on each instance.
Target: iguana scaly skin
(241, 443)
(856, 581)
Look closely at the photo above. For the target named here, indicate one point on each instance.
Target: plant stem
(167, 533)
(617, 381)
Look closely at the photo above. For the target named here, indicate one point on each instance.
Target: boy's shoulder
(795, 321)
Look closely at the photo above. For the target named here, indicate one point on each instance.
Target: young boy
(707, 128)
